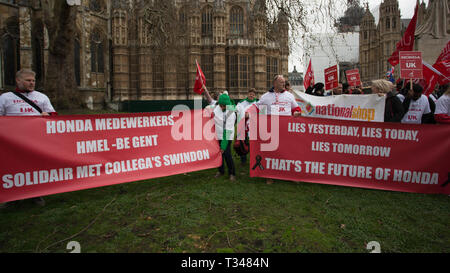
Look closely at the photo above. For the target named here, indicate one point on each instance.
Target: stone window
(10, 50)
(207, 65)
(388, 23)
(77, 62)
(158, 71)
(243, 71)
(236, 21)
(272, 70)
(96, 6)
(97, 53)
(234, 71)
(207, 23)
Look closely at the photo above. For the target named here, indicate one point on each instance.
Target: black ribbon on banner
(258, 163)
(446, 182)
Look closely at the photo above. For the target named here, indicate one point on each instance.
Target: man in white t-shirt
(277, 102)
(13, 105)
(417, 105)
(442, 113)
(241, 109)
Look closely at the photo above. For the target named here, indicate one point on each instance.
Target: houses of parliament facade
(117, 59)
(378, 40)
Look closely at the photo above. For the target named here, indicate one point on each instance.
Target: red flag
(431, 78)
(199, 80)
(442, 64)
(309, 77)
(445, 54)
(444, 68)
(407, 42)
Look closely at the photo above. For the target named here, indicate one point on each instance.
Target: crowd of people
(405, 103)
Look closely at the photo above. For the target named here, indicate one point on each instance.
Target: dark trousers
(226, 157)
(243, 159)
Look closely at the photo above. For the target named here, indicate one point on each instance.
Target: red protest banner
(353, 77)
(411, 66)
(354, 154)
(331, 78)
(44, 156)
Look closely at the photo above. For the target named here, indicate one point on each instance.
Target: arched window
(97, 48)
(77, 62)
(236, 21)
(207, 22)
(10, 49)
(388, 23)
(96, 5)
(37, 45)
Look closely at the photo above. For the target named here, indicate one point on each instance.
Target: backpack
(241, 147)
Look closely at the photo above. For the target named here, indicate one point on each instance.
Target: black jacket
(394, 110)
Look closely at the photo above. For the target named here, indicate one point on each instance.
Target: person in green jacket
(225, 118)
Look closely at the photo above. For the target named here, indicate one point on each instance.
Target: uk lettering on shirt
(277, 103)
(416, 110)
(11, 105)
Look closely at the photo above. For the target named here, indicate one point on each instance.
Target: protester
(393, 111)
(309, 90)
(212, 100)
(338, 90)
(241, 108)
(318, 89)
(435, 95)
(345, 90)
(15, 104)
(225, 118)
(442, 114)
(356, 91)
(416, 105)
(278, 102)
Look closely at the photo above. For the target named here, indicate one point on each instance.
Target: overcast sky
(406, 11)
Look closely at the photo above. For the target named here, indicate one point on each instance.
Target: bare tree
(60, 84)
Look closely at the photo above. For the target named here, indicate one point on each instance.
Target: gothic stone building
(117, 59)
(378, 41)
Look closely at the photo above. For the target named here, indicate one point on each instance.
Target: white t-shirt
(272, 103)
(12, 105)
(443, 105)
(416, 109)
(242, 107)
(219, 117)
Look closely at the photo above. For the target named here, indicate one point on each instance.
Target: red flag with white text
(407, 42)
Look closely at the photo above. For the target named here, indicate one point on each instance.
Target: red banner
(331, 78)
(353, 78)
(411, 66)
(385, 156)
(50, 155)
